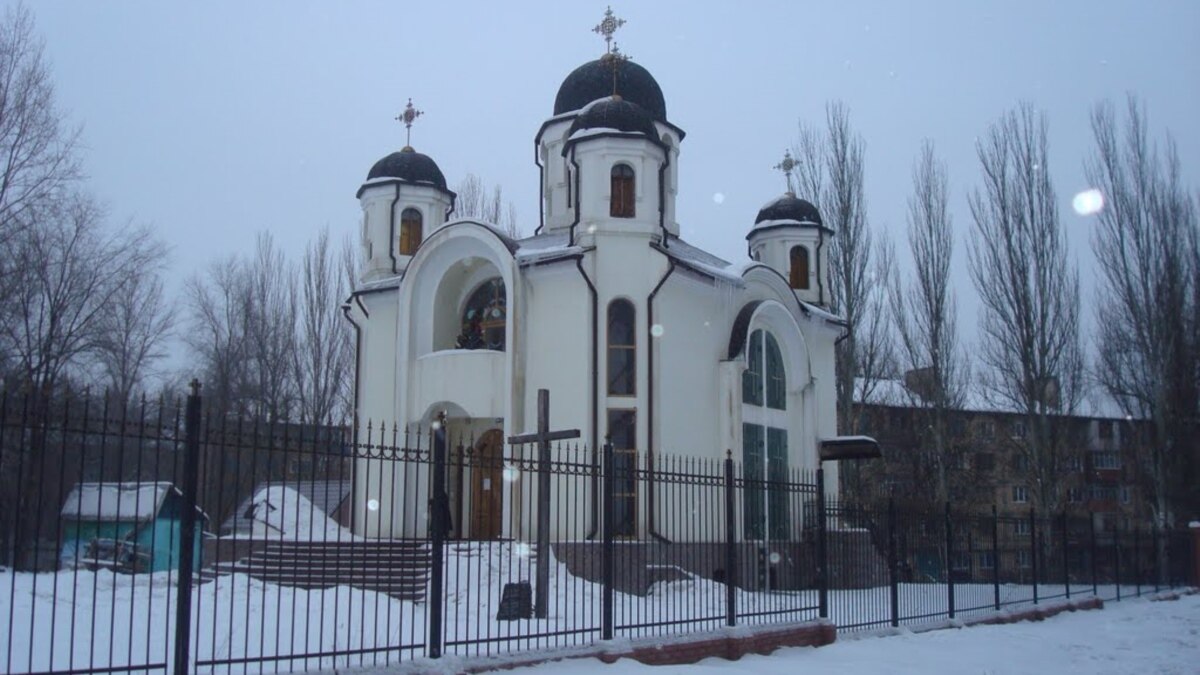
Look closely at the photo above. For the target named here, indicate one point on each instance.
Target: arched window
(484, 317)
(410, 231)
(764, 439)
(621, 199)
(622, 349)
(799, 269)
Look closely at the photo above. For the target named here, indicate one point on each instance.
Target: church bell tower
(404, 199)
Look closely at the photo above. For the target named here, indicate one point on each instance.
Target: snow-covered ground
(1135, 636)
(85, 619)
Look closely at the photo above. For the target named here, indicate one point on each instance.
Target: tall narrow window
(765, 507)
(622, 428)
(799, 269)
(621, 200)
(622, 349)
(410, 231)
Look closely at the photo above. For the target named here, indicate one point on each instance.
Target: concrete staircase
(399, 568)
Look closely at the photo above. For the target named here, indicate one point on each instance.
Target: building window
(799, 268)
(410, 231)
(621, 196)
(1106, 460)
(987, 430)
(622, 349)
(987, 560)
(764, 440)
(1021, 527)
(1125, 494)
(985, 461)
(1106, 429)
(1024, 558)
(1074, 495)
(961, 561)
(1020, 463)
(1104, 493)
(484, 317)
(1020, 494)
(622, 431)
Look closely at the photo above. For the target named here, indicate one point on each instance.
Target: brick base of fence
(731, 644)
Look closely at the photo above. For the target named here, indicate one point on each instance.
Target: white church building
(638, 335)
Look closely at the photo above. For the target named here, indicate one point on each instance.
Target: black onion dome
(410, 166)
(615, 113)
(594, 80)
(789, 207)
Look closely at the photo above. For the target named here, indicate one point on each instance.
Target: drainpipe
(820, 276)
(662, 193)
(575, 195)
(357, 356)
(650, 405)
(391, 244)
(595, 401)
(541, 187)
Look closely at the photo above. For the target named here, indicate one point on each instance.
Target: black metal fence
(161, 537)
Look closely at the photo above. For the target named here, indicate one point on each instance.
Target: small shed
(131, 526)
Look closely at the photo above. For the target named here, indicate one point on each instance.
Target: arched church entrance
(487, 500)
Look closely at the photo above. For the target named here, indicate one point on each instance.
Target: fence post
(1033, 551)
(1066, 542)
(187, 532)
(1092, 529)
(1117, 556)
(439, 506)
(949, 563)
(606, 607)
(1156, 572)
(996, 557)
(730, 544)
(1137, 561)
(893, 581)
(822, 551)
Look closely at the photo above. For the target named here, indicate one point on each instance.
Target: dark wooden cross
(542, 437)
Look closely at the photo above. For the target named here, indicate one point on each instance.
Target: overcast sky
(214, 121)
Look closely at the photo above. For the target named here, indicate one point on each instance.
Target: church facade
(639, 336)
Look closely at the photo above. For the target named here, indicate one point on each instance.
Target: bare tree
(1147, 246)
(72, 276)
(37, 154)
(924, 311)
(476, 201)
(220, 314)
(1030, 351)
(324, 354)
(830, 174)
(133, 333)
(272, 330)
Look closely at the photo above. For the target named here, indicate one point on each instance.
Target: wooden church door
(487, 500)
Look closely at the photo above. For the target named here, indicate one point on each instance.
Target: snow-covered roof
(326, 495)
(702, 261)
(544, 247)
(131, 501)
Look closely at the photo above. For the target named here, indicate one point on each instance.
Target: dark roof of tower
(615, 112)
(790, 207)
(410, 166)
(594, 80)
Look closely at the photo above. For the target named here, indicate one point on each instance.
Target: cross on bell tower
(787, 166)
(409, 116)
(607, 27)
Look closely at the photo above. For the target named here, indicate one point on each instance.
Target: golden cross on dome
(614, 58)
(787, 166)
(409, 116)
(607, 27)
